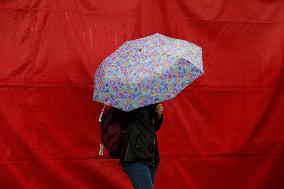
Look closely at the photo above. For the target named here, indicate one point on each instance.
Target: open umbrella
(147, 71)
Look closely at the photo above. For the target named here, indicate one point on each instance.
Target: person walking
(139, 156)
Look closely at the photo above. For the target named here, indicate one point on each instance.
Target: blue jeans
(140, 174)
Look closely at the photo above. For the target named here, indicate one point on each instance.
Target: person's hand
(159, 109)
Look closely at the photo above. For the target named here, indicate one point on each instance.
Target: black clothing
(139, 141)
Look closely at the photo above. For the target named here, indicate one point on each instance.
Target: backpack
(111, 132)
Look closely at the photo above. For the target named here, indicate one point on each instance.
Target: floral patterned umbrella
(147, 71)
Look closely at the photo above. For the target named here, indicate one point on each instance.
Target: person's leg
(139, 174)
(153, 171)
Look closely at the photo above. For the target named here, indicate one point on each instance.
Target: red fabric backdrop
(226, 131)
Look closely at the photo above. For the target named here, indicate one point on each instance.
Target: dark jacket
(139, 141)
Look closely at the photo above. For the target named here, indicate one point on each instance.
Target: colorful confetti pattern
(146, 71)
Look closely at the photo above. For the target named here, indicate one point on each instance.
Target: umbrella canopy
(146, 71)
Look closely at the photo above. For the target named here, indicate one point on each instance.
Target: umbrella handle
(100, 118)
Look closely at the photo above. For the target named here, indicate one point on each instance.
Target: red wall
(226, 131)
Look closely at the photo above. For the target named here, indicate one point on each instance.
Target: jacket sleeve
(158, 121)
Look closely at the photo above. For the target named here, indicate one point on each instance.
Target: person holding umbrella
(135, 79)
(139, 152)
